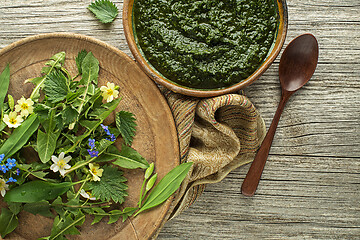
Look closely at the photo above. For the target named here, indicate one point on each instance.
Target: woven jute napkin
(217, 134)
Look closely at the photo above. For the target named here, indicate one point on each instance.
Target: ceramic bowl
(158, 78)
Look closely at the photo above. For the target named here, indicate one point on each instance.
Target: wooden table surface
(311, 183)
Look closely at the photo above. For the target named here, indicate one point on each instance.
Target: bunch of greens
(77, 168)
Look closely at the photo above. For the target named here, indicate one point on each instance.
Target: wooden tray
(156, 137)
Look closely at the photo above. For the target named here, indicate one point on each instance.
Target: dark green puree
(205, 44)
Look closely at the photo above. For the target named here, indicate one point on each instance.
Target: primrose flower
(11, 179)
(87, 195)
(95, 171)
(13, 120)
(60, 163)
(3, 168)
(109, 93)
(3, 187)
(11, 163)
(24, 106)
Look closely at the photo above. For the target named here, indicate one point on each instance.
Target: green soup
(205, 44)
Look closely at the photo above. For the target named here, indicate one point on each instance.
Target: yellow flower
(109, 93)
(95, 171)
(3, 187)
(13, 120)
(24, 106)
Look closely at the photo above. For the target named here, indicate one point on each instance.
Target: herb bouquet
(76, 170)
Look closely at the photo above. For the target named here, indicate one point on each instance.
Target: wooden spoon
(297, 65)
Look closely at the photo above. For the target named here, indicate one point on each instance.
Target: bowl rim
(158, 78)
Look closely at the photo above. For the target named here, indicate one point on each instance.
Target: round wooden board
(156, 137)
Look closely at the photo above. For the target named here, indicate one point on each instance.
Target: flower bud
(149, 171)
(151, 182)
(11, 102)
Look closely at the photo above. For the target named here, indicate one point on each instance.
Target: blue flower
(106, 129)
(93, 153)
(17, 172)
(92, 143)
(112, 138)
(11, 163)
(11, 180)
(3, 168)
(2, 157)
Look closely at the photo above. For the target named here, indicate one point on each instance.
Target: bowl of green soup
(205, 48)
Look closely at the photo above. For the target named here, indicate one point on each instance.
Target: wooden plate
(156, 137)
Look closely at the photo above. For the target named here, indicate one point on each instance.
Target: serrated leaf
(126, 123)
(68, 115)
(128, 158)
(65, 226)
(79, 59)
(166, 187)
(104, 10)
(55, 86)
(8, 222)
(111, 186)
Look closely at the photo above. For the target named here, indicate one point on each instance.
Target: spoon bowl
(297, 65)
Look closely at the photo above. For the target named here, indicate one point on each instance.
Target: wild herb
(78, 170)
(104, 10)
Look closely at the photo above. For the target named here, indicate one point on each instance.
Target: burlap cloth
(217, 134)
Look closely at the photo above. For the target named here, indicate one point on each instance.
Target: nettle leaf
(55, 87)
(128, 158)
(104, 10)
(111, 186)
(8, 222)
(126, 123)
(79, 59)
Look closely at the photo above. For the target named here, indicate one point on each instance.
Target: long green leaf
(128, 158)
(4, 84)
(46, 143)
(166, 187)
(20, 136)
(36, 191)
(8, 222)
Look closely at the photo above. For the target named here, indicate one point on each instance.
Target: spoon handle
(252, 178)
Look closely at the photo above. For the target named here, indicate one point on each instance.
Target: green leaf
(55, 62)
(20, 136)
(127, 212)
(4, 85)
(125, 122)
(66, 226)
(8, 222)
(41, 208)
(36, 191)
(166, 187)
(46, 144)
(104, 10)
(111, 186)
(55, 86)
(128, 158)
(79, 59)
(106, 109)
(69, 114)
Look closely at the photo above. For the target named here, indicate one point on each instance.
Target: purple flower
(11, 180)
(3, 168)
(106, 129)
(17, 172)
(11, 163)
(91, 143)
(112, 138)
(93, 153)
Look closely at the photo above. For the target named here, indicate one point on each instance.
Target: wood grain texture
(310, 185)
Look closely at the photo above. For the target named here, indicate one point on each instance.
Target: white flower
(60, 163)
(3, 187)
(87, 195)
(24, 106)
(95, 171)
(109, 93)
(13, 120)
